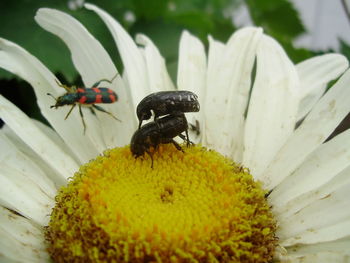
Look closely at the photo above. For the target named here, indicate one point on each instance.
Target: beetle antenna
(114, 77)
(53, 98)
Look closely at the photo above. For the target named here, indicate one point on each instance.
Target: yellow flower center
(195, 206)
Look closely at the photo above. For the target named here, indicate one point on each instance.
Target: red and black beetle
(87, 97)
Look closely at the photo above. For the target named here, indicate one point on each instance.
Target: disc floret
(195, 206)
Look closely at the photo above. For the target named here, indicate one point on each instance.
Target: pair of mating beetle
(172, 105)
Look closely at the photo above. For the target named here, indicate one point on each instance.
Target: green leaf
(18, 25)
(149, 9)
(295, 54)
(223, 29)
(344, 48)
(276, 17)
(197, 22)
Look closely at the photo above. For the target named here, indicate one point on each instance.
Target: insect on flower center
(195, 206)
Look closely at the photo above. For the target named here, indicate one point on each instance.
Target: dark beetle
(166, 102)
(164, 131)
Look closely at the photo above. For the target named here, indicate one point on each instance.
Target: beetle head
(196, 107)
(143, 115)
(136, 148)
(65, 99)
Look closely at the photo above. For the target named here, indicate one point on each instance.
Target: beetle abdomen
(174, 101)
(167, 102)
(153, 134)
(96, 95)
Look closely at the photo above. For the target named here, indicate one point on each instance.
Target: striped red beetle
(87, 97)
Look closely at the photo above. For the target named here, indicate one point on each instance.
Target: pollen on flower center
(195, 206)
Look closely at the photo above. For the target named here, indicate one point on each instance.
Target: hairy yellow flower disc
(195, 206)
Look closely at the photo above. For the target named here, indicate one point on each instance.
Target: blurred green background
(162, 21)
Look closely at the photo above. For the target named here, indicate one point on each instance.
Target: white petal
(228, 90)
(191, 76)
(309, 101)
(20, 240)
(319, 70)
(53, 175)
(18, 61)
(318, 125)
(308, 198)
(5, 259)
(216, 50)
(88, 55)
(192, 66)
(158, 75)
(272, 108)
(37, 140)
(55, 138)
(21, 194)
(335, 251)
(93, 63)
(321, 257)
(135, 66)
(17, 160)
(322, 213)
(312, 236)
(314, 75)
(319, 168)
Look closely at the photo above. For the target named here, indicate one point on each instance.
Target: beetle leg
(82, 118)
(99, 108)
(70, 111)
(195, 128)
(186, 139)
(182, 136)
(176, 145)
(92, 110)
(150, 155)
(105, 80)
(68, 89)
(268, 193)
(188, 142)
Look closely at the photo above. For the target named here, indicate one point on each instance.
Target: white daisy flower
(248, 115)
